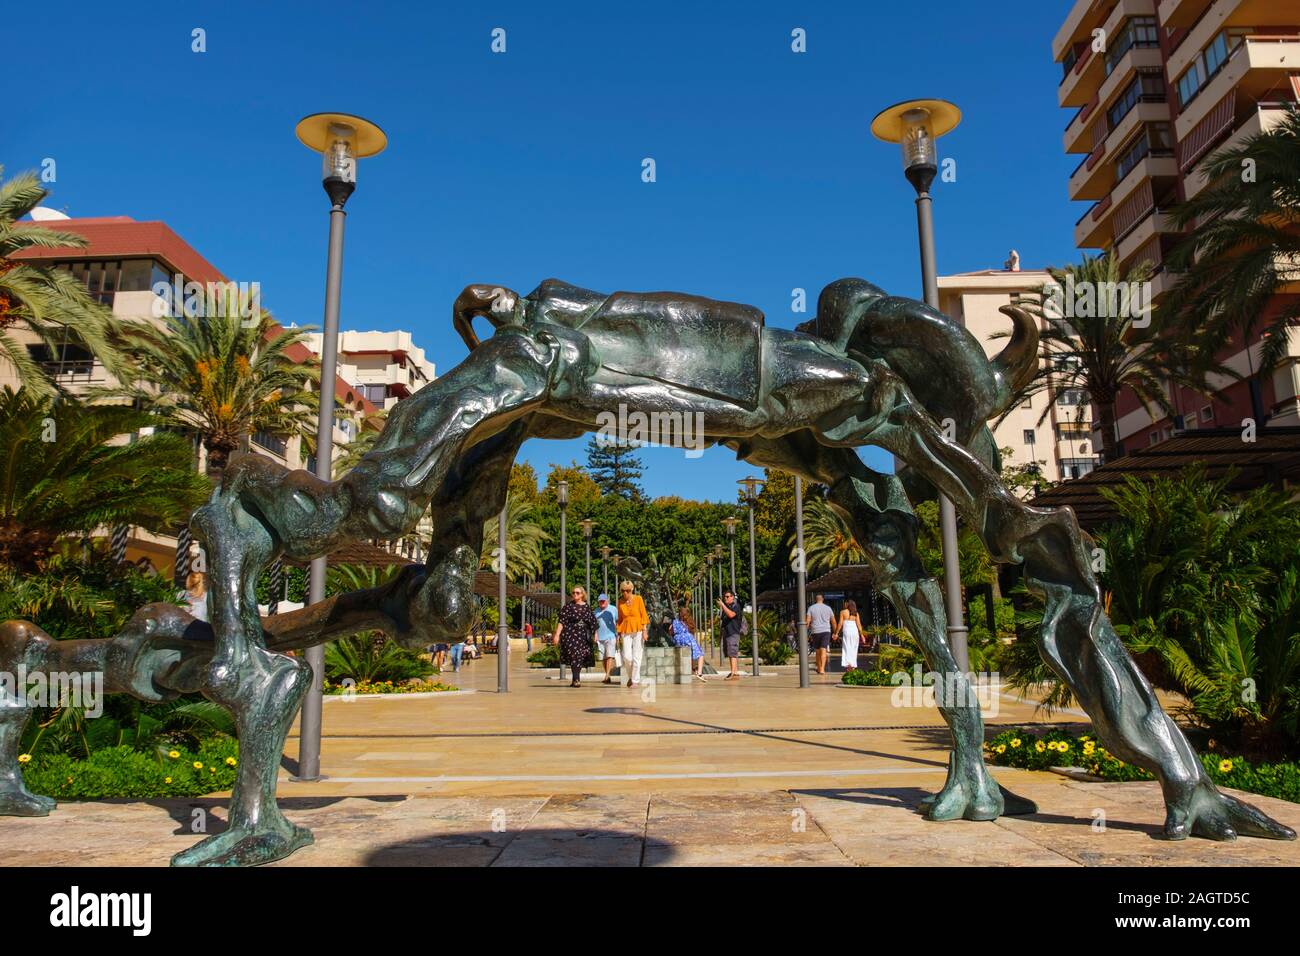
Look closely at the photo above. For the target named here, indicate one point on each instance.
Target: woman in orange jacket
(633, 620)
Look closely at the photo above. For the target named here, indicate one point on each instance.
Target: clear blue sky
(509, 168)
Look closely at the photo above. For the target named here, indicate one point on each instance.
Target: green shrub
(1031, 750)
(132, 774)
(373, 657)
(548, 655)
(866, 678)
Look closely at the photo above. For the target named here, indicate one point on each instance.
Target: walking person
(821, 628)
(683, 628)
(457, 653)
(850, 635)
(607, 635)
(632, 623)
(575, 631)
(528, 637)
(733, 622)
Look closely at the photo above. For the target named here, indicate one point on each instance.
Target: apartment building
(123, 265)
(383, 367)
(1062, 444)
(1154, 87)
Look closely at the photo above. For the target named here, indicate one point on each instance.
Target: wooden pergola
(1271, 458)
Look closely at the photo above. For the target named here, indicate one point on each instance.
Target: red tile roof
(113, 237)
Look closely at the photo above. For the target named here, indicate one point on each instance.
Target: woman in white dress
(850, 635)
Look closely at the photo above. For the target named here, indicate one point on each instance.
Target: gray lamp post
(503, 625)
(604, 550)
(916, 124)
(587, 524)
(801, 583)
(562, 496)
(717, 592)
(730, 524)
(341, 140)
(750, 488)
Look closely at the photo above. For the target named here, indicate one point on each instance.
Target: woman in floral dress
(575, 631)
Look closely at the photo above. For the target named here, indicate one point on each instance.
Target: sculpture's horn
(1015, 365)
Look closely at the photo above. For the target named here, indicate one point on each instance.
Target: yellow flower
(167, 779)
(1015, 742)
(1225, 766)
(24, 758)
(231, 761)
(173, 754)
(1002, 748)
(1063, 746)
(1089, 747)
(1039, 746)
(198, 765)
(1051, 745)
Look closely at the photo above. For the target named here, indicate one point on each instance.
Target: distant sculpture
(869, 369)
(1013, 262)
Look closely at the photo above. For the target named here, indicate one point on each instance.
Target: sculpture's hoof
(969, 795)
(1207, 813)
(21, 803)
(242, 846)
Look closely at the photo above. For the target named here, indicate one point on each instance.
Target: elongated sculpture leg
(21, 646)
(1077, 639)
(262, 689)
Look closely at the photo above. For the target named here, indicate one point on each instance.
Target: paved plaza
(749, 772)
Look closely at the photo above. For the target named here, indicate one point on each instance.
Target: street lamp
(587, 525)
(730, 524)
(749, 486)
(562, 496)
(605, 550)
(915, 125)
(341, 140)
(801, 583)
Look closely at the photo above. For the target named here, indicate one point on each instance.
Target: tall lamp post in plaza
(730, 524)
(717, 593)
(916, 124)
(750, 488)
(604, 550)
(706, 605)
(503, 625)
(801, 582)
(562, 496)
(587, 524)
(341, 140)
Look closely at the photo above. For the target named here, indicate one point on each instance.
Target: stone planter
(666, 665)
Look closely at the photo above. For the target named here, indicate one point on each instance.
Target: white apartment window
(1028, 436)
(1207, 413)
(1208, 62)
(1154, 437)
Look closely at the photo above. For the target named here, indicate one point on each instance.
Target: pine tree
(615, 468)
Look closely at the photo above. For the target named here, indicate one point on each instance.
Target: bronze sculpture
(869, 369)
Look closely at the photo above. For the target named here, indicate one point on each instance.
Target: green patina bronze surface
(870, 369)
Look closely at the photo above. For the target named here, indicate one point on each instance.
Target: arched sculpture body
(870, 369)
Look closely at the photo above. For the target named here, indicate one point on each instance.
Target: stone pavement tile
(769, 819)
(823, 853)
(880, 827)
(1068, 823)
(556, 847)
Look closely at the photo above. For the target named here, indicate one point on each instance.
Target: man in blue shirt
(606, 618)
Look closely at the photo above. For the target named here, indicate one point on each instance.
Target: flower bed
(387, 687)
(1031, 750)
(124, 772)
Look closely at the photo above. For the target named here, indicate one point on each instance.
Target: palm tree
(351, 453)
(221, 379)
(49, 302)
(828, 542)
(1244, 244)
(60, 476)
(1109, 349)
(524, 537)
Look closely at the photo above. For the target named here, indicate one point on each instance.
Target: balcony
(1096, 230)
(1090, 74)
(1084, 15)
(1258, 66)
(1260, 118)
(1095, 177)
(1180, 13)
(1157, 222)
